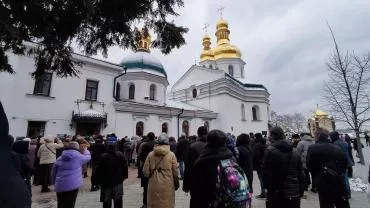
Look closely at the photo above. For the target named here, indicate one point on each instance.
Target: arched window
(231, 70)
(243, 112)
(165, 128)
(255, 113)
(145, 44)
(140, 128)
(131, 92)
(206, 125)
(118, 91)
(152, 92)
(195, 93)
(185, 127)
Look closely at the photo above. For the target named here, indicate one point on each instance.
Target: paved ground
(133, 197)
(133, 193)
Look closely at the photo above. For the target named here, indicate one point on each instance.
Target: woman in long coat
(161, 169)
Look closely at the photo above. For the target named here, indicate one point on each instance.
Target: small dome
(222, 23)
(143, 61)
(207, 53)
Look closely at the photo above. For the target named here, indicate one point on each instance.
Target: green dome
(143, 61)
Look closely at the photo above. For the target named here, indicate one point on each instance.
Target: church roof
(250, 86)
(143, 60)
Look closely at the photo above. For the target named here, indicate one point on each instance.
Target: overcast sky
(285, 43)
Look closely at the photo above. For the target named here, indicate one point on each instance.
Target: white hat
(27, 139)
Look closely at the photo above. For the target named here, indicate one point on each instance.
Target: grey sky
(285, 43)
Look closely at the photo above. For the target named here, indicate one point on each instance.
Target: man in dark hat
(13, 190)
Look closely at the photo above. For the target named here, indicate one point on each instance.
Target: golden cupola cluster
(144, 43)
(223, 49)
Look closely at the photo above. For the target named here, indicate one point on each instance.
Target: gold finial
(145, 41)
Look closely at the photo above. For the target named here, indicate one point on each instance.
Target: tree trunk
(359, 147)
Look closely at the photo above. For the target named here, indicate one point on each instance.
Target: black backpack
(331, 178)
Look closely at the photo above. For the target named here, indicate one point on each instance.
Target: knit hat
(162, 139)
(73, 145)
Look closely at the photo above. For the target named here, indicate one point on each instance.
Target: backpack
(331, 179)
(232, 189)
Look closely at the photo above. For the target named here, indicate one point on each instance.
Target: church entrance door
(88, 129)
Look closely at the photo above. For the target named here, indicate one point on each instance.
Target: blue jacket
(344, 147)
(67, 172)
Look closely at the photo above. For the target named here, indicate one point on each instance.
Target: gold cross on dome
(205, 28)
(220, 10)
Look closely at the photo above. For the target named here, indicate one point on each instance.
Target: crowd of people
(216, 168)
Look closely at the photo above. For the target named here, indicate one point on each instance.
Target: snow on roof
(182, 105)
(92, 114)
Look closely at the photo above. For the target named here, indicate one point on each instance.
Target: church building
(132, 98)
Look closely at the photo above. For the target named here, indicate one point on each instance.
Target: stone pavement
(133, 196)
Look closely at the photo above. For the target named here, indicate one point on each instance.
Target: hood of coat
(161, 149)
(69, 154)
(283, 145)
(307, 138)
(213, 153)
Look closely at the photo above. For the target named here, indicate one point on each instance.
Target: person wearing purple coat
(67, 174)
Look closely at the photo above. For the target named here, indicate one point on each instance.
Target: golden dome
(320, 113)
(145, 42)
(207, 53)
(222, 23)
(224, 49)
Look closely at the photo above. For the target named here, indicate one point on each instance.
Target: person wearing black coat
(182, 150)
(13, 190)
(283, 172)
(96, 150)
(26, 170)
(204, 172)
(112, 170)
(193, 154)
(245, 158)
(144, 151)
(320, 156)
(259, 148)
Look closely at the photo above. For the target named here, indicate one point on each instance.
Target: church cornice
(131, 76)
(162, 111)
(222, 86)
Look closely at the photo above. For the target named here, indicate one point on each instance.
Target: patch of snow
(358, 185)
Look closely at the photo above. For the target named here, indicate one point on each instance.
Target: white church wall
(197, 77)
(22, 106)
(237, 64)
(142, 90)
(229, 117)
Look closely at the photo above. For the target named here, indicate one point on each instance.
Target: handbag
(156, 166)
(176, 182)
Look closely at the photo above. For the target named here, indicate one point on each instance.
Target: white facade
(65, 109)
(131, 98)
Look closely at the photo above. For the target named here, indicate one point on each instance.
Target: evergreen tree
(94, 25)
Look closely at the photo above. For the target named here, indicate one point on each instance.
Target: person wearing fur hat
(161, 169)
(47, 155)
(67, 174)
